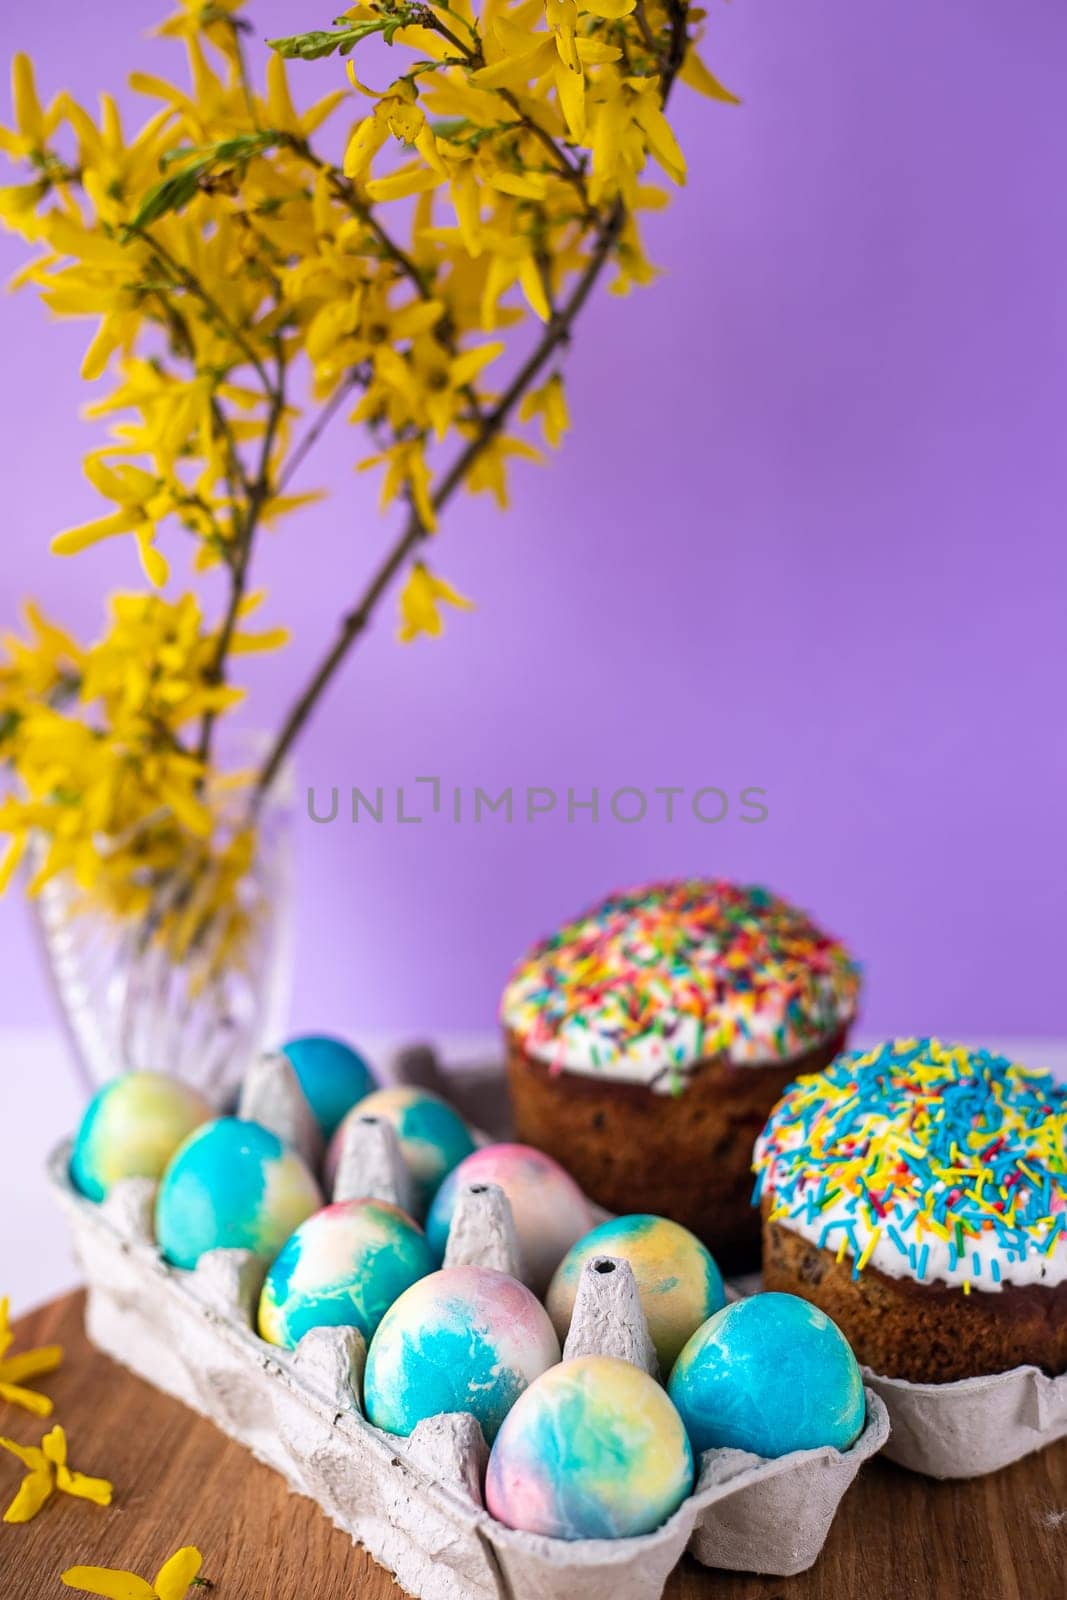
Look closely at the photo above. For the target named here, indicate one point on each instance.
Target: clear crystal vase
(128, 1005)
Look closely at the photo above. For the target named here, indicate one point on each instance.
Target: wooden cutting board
(179, 1481)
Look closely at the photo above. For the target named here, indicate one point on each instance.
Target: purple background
(807, 534)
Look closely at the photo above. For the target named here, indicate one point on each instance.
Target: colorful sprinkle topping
(930, 1159)
(665, 975)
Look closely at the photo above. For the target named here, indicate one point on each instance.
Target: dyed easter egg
(678, 1283)
(333, 1076)
(551, 1213)
(594, 1449)
(343, 1267)
(464, 1339)
(232, 1186)
(131, 1128)
(432, 1137)
(769, 1374)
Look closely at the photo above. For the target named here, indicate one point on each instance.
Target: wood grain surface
(179, 1481)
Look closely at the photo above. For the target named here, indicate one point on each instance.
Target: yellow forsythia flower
(47, 1471)
(419, 601)
(171, 1582)
(245, 287)
(30, 1364)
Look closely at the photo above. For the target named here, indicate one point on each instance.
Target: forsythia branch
(222, 254)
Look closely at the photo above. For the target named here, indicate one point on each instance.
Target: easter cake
(649, 1038)
(917, 1193)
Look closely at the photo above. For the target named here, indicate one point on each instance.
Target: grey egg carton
(415, 1503)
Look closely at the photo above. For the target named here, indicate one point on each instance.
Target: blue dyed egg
(770, 1374)
(333, 1076)
(343, 1267)
(678, 1283)
(432, 1137)
(463, 1339)
(131, 1128)
(594, 1449)
(233, 1186)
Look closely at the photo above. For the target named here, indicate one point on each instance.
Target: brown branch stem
(315, 432)
(259, 493)
(556, 333)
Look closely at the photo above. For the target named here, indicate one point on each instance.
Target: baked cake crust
(924, 1332)
(684, 1156)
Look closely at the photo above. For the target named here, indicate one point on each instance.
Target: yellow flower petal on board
(31, 1363)
(31, 1455)
(38, 1405)
(175, 1575)
(33, 1491)
(109, 1582)
(14, 1370)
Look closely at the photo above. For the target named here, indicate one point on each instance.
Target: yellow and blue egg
(463, 1339)
(343, 1267)
(232, 1185)
(333, 1076)
(678, 1282)
(131, 1129)
(770, 1374)
(433, 1138)
(593, 1449)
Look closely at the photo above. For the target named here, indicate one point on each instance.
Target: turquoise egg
(463, 1339)
(333, 1076)
(131, 1128)
(678, 1283)
(232, 1186)
(550, 1211)
(432, 1137)
(770, 1374)
(343, 1267)
(594, 1449)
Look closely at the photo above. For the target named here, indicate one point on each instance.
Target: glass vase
(128, 1005)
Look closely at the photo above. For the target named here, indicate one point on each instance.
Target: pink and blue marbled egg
(232, 1186)
(464, 1339)
(550, 1211)
(343, 1267)
(770, 1374)
(433, 1138)
(594, 1449)
(678, 1282)
(131, 1129)
(333, 1076)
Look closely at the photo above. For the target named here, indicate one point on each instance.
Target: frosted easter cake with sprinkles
(649, 1038)
(917, 1193)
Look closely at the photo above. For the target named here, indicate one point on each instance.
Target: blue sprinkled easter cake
(917, 1193)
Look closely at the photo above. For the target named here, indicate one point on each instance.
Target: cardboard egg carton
(416, 1503)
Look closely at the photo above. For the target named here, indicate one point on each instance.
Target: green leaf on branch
(345, 35)
(327, 42)
(174, 192)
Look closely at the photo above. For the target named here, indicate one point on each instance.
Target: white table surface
(41, 1101)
